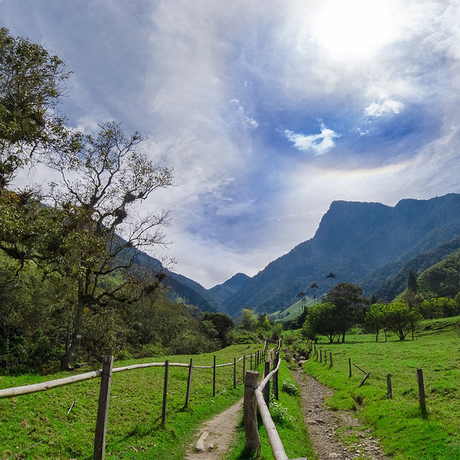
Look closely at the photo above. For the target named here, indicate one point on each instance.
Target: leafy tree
(248, 319)
(349, 303)
(102, 181)
(437, 307)
(322, 320)
(374, 319)
(223, 325)
(399, 318)
(31, 82)
(263, 324)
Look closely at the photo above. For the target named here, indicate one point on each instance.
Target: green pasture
(38, 426)
(406, 432)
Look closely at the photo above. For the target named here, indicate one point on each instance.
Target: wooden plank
(364, 379)
(214, 378)
(389, 387)
(357, 367)
(421, 390)
(267, 386)
(250, 414)
(165, 394)
(189, 383)
(103, 409)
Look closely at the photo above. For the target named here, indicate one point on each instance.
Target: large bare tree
(102, 180)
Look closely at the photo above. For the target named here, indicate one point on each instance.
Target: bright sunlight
(356, 29)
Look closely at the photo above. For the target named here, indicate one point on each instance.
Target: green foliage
(374, 319)
(279, 413)
(321, 320)
(248, 319)
(290, 388)
(349, 303)
(31, 82)
(442, 279)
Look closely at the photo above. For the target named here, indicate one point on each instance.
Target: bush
(279, 413)
(289, 387)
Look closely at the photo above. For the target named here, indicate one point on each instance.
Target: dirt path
(334, 434)
(221, 431)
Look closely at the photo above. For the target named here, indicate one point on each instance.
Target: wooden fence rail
(253, 398)
(106, 373)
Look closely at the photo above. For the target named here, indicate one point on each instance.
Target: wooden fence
(106, 373)
(256, 396)
(321, 356)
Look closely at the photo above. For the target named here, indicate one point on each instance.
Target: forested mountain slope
(353, 241)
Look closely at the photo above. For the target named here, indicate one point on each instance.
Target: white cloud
(318, 143)
(377, 109)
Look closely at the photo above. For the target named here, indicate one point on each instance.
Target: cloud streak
(211, 83)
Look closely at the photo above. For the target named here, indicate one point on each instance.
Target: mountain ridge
(353, 240)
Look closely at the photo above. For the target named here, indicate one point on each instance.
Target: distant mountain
(363, 243)
(228, 289)
(181, 288)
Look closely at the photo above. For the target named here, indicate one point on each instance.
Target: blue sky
(267, 110)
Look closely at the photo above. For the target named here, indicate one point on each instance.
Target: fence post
(325, 357)
(330, 359)
(103, 409)
(165, 394)
(244, 368)
(275, 376)
(389, 388)
(251, 362)
(250, 413)
(189, 383)
(320, 356)
(267, 386)
(421, 390)
(349, 367)
(234, 373)
(214, 377)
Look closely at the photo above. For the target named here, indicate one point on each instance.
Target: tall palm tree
(301, 296)
(331, 276)
(314, 286)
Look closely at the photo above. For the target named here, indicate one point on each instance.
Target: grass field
(37, 426)
(406, 433)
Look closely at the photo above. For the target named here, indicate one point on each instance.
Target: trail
(221, 430)
(334, 434)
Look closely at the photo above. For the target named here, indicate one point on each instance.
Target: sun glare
(355, 29)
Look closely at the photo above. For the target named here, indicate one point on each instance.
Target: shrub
(289, 387)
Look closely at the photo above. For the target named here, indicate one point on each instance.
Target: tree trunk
(69, 360)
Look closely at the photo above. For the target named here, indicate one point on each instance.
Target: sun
(355, 29)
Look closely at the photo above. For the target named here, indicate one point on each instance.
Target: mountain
(362, 243)
(443, 278)
(228, 289)
(181, 288)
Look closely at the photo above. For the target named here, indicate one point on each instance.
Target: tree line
(345, 307)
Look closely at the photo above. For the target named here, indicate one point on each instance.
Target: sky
(268, 110)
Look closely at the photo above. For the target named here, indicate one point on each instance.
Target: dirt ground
(334, 434)
(221, 431)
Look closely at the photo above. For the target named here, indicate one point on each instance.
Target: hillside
(354, 240)
(228, 289)
(443, 278)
